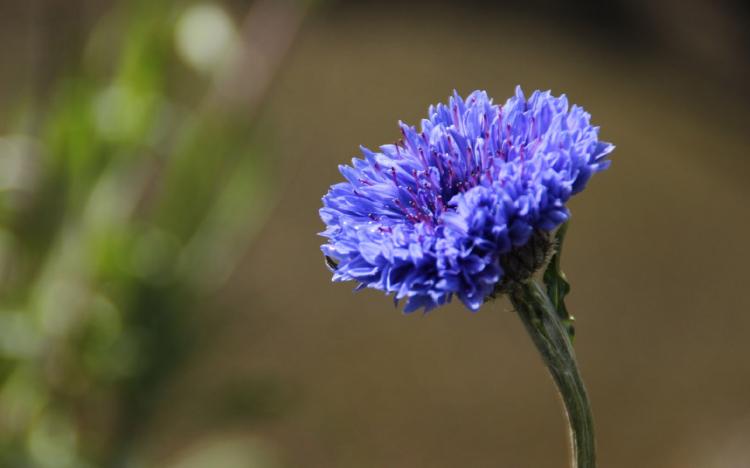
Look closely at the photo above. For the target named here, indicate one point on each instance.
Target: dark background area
(279, 367)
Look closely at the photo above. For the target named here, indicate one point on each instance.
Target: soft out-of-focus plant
(122, 202)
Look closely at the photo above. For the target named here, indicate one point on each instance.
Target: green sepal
(557, 285)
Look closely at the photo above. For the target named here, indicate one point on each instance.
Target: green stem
(551, 339)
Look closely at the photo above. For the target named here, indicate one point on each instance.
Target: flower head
(441, 212)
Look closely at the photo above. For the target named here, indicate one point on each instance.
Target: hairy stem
(551, 339)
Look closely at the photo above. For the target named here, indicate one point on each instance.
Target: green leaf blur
(140, 197)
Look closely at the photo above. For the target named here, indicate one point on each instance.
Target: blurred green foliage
(123, 200)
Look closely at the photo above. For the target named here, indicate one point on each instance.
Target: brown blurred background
(283, 368)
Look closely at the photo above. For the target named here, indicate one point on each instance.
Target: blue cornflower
(444, 211)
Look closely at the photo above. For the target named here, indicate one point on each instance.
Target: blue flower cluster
(431, 216)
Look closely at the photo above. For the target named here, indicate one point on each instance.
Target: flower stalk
(551, 337)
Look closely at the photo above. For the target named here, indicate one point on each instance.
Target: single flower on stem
(470, 205)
